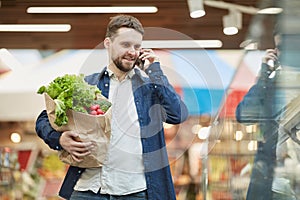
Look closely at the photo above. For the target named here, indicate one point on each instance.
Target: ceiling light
(109, 9)
(249, 45)
(196, 8)
(35, 27)
(15, 137)
(270, 11)
(182, 44)
(232, 22)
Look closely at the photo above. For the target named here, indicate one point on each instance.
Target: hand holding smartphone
(146, 54)
(270, 58)
(139, 62)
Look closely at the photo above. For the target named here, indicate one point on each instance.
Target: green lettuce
(70, 92)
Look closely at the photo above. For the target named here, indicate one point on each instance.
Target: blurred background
(211, 52)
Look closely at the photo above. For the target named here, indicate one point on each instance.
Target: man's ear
(107, 42)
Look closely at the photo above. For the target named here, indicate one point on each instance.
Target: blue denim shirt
(260, 105)
(156, 102)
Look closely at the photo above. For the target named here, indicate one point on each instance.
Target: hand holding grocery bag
(79, 110)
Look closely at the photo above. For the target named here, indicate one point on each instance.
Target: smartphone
(140, 63)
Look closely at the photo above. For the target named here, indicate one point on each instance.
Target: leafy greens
(70, 92)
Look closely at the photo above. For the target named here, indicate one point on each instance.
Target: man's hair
(120, 21)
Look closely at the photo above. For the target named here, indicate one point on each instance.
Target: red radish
(94, 107)
(100, 112)
(93, 112)
(96, 110)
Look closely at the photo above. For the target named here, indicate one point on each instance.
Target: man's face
(124, 48)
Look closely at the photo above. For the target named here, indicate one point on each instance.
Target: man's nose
(131, 50)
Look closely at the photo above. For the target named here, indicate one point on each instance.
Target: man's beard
(120, 66)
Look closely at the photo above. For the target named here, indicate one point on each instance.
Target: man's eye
(126, 45)
(137, 47)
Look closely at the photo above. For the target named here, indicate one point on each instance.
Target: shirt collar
(129, 74)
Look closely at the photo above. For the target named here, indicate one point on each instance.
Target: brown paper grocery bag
(95, 128)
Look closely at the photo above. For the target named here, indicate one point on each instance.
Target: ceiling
(88, 30)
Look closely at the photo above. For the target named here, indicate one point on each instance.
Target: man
(263, 104)
(136, 165)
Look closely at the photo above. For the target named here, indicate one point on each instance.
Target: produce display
(72, 92)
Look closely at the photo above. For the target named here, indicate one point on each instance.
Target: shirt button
(105, 72)
(155, 86)
(79, 171)
(150, 71)
(106, 84)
